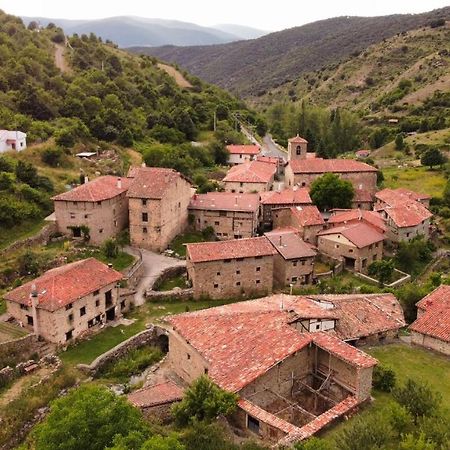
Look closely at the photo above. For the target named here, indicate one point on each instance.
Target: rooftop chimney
(86, 179)
(143, 164)
(34, 303)
(281, 241)
(119, 183)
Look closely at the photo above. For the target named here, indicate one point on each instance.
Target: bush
(110, 248)
(51, 156)
(383, 378)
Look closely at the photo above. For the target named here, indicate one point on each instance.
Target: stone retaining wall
(23, 347)
(134, 273)
(175, 294)
(166, 274)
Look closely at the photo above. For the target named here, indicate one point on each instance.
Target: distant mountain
(251, 68)
(129, 31)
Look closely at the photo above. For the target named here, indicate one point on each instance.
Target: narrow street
(270, 148)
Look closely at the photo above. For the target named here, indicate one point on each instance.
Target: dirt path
(60, 61)
(177, 75)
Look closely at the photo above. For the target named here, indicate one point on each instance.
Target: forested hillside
(252, 67)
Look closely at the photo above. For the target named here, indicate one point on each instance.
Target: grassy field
(171, 283)
(407, 362)
(187, 238)
(22, 231)
(420, 179)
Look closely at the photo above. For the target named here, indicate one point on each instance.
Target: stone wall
(21, 348)
(41, 238)
(134, 273)
(151, 336)
(174, 294)
(430, 342)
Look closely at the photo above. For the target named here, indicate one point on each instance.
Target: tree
(89, 417)
(383, 270)
(110, 248)
(329, 191)
(383, 378)
(399, 144)
(433, 157)
(417, 398)
(313, 444)
(203, 401)
(412, 442)
(27, 173)
(51, 156)
(28, 264)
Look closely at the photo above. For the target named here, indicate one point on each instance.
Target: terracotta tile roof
(249, 149)
(66, 284)
(357, 215)
(152, 182)
(251, 172)
(158, 394)
(400, 196)
(307, 215)
(435, 320)
(269, 159)
(359, 233)
(320, 165)
(289, 244)
(242, 341)
(225, 201)
(298, 140)
(410, 214)
(97, 190)
(286, 197)
(362, 196)
(235, 248)
(363, 315)
(363, 153)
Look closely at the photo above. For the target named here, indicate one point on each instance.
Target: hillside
(253, 67)
(129, 31)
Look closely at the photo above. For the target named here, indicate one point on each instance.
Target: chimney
(86, 179)
(236, 201)
(34, 303)
(281, 241)
(143, 164)
(110, 265)
(119, 183)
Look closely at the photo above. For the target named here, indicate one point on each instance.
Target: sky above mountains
(270, 15)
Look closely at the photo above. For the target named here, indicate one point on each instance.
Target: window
(294, 279)
(24, 307)
(100, 230)
(90, 323)
(144, 230)
(115, 223)
(258, 257)
(95, 293)
(144, 202)
(303, 184)
(350, 250)
(227, 260)
(72, 215)
(86, 216)
(70, 317)
(239, 259)
(29, 320)
(216, 285)
(216, 223)
(69, 306)
(82, 311)
(258, 269)
(298, 150)
(144, 217)
(97, 303)
(374, 257)
(241, 184)
(238, 283)
(123, 304)
(318, 326)
(222, 213)
(253, 424)
(294, 263)
(258, 281)
(108, 298)
(69, 335)
(218, 274)
(303, 263)
(238, 272)
(99, 203)
(188, 356)
(205, 371)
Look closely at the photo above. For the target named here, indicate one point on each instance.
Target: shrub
(51, 156)
(110, 248)
(383, 378)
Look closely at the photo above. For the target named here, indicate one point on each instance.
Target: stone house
(239, 154)
(100, 204)
(294, 261)
(405, 216)
(282, 199)
(306, 219)
(357, 245)
(278, 161)
(64, 303)
(431, 329)
(12, 140)
(362, 200)
(290, 382)
(235, 268)
(158, 206)
(230, 215)
(254, 176)
(341, 217)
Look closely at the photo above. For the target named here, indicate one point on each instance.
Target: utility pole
(215, 120)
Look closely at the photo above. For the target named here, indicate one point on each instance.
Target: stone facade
(154, 223)
(247, 187)
(430, 342)
(398, 234)
(232, 277)
(292, 271)
(105, 219)
(74, 320)
(354, 258)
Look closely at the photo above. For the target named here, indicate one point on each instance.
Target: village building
(431, 329)
(394, 197)
(362, 200)
(362, 154)
(239, 154)
(341, 217)
(306, 219)
(232, 216)
(64, 303)
(235, 268)
(278, 161)
(357, 245)
(98, 207)
(294, 261)
(12, 140)
(290, 381)
(158, 206)
(254, 176)
(282, 199)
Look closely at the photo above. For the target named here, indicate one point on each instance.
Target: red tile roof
(361, 234)
(97, 190)
(409, 214)
(357, 215)
(58, 287)
(158, 394)
(307, 215)
(363, 153)
(362, 196)
(319, 165)
(269, 159)
(251, 172)
(286, 197)
(152, 182)
(289, 244)
(363, 315)
(249, 149)
(400, 196)
(414, 195)
(242, 341)
(298, 140)
(235, 248)
(225, 201)
(435, 320)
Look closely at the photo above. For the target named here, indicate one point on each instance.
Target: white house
(12, 140)
(239, 154)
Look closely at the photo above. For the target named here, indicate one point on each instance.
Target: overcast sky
(268, 15)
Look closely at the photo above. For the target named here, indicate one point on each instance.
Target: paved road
(154, 264)
(269, 148)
